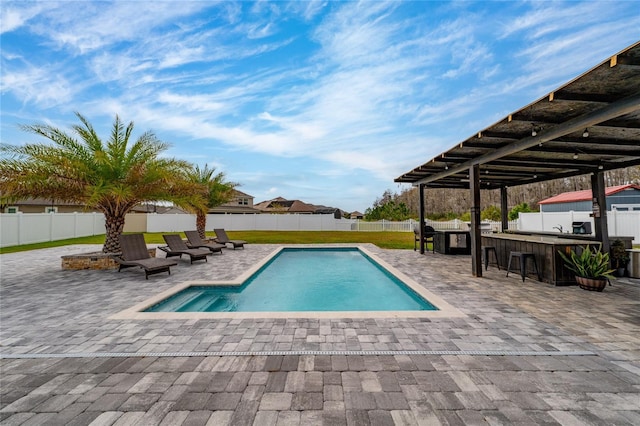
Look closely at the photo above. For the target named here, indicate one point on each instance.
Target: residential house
(42, 205)
(282, 205)
(240, 203)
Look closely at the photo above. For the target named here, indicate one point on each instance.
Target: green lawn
(388, 240)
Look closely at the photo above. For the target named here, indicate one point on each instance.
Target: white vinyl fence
(28, 228)
(620, 223)
(249, 222)
(296, 222)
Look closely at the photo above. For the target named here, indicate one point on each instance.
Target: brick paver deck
(526, 353)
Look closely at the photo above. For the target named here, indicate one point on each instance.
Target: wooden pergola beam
(622, 107)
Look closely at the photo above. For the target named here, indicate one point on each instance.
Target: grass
(387, 240)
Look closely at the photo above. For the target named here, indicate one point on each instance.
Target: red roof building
(622, 197)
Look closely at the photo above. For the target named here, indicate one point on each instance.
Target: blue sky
(326, 102)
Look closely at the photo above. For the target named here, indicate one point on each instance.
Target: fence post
(51, 226)
(19, 225)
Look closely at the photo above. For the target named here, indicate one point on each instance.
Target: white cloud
(311, 90)
(37, 85)
(16, 14)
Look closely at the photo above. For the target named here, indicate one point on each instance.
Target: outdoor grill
(581, 227)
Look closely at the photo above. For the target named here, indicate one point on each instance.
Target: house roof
(588, 125)
(44, 202)
(237, 193)
(586, 195)
(280, 204)
(228, 208)
(159, 209)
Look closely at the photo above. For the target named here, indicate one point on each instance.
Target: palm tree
(216, 191)
(112, 177)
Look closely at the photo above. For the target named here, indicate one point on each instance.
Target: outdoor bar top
(545, 248)
(582, 239)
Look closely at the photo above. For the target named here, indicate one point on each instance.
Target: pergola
(587, 126)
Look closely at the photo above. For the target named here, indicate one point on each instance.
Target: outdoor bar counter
(545, 249)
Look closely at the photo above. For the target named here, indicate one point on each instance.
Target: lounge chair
(176, 247)
(223, 238)
(135, 253)
(196, 242)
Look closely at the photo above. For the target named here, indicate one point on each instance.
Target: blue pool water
(305, 280)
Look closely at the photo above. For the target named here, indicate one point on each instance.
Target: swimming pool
(305, 279)
(443, 309)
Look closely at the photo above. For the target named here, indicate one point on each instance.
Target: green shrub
(588, 264)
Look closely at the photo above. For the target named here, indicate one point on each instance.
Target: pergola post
(476, 241)
(504, 214)
(421, 192)
(600, 210)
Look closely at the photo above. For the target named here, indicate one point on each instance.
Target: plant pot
(591, 284)
(620, 272)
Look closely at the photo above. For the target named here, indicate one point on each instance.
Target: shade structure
(588, 125)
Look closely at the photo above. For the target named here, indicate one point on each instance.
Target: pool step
(220, 304)
(200, 303)
(181, 299)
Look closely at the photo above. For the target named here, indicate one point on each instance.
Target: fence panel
(170, 222)
(265, 222)
(277, 222)
(31, 228)
(9, 229)
(62, 226)
(620, 223)
(310, 223)
(624, 224)
(225, 221)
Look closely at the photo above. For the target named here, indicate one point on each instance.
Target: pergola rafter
(587, 126)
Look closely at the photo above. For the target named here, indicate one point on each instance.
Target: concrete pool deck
(526, 353)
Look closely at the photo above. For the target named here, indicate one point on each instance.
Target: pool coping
(445, 310)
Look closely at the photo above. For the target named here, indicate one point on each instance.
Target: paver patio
(524, 353)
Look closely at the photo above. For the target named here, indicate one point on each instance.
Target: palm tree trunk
(201, 224)
(114, 224)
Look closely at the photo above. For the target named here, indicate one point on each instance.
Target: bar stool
(523, 256)
(485, 251)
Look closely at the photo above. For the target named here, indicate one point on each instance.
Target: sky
(322, 101)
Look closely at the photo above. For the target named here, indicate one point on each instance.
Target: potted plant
(619, 257)
(591, 268)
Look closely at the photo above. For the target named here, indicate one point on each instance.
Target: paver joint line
(282, 353)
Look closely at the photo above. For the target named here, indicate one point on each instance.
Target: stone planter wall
(97, 260)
